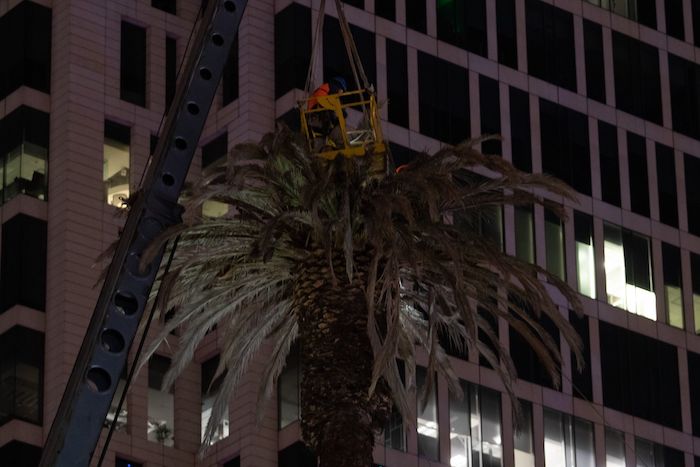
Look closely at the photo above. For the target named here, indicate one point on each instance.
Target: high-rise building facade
(604, 94)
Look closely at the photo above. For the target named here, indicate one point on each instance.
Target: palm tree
(361, 270)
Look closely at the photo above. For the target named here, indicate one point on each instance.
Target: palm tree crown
(311, 247)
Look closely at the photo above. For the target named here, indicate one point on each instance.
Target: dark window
(209, 385)
(19, 454)
(565, 151)
(550, 44)
(121, 462)
(443, 96)
(335, 60)
(396, 82)
(609, 163)
(235, 462)
(25, 48)
(638, 173)
(463, 23)
(133, 64)
(152, 144)
(520, 129)
(595, 71)
(684, 79)
(157, 367)
(23, 263)
(637, 81)
(640, 376)
(296, 455)
(292, 48)
(527, 364)
(674, 19)
(490, 109)
(692, 193)
(24, 151)
(21, 375)
(401, 155)
(356, 3)
(646, 13)
(215, 150)
(582, 380)
(694, 380)
(666, 183)
(386, 9)
(170, 70)
(505, 29)
(229, 79)
(168, 6)
(415, 15)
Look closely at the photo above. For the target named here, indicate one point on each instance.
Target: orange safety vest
(322, 90)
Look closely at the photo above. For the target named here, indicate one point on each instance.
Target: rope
(351, 49)
(315, 46)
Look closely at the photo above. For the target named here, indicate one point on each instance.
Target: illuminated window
(524, 234)
(161, 404)
(522, 438)
(428, 430)
(628, 271)
(672, 284)
(288, 390)
(585, 255)
(115, 169)
(568, 441)
(475, 427)
(695, 274)
(554, 241)
(614, 448)
(209, 388)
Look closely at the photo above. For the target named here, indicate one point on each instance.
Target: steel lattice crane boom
(120, 306)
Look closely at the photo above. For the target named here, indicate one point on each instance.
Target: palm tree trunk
(338, 419)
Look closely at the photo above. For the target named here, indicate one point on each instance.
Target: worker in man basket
(324, 123)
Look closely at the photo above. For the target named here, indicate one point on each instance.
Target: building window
(19, 454)
(209, 388)
(585, 254)
(122, 462)
(122, 419)
(568, 440)
(23, 263)
(25, 48)
(235, 462)
(335, 60)
(628, 277)
(463, 23)
(486, 222)
(24, 152)
(666, 184)
(229, 79)
(554, 245)
(428, 430)
(521, 147)
(640, 376)
(643, 11)
(695, 274)
(655, 455)
(132, 75)
(523, 437)
(215, 150)
(637, 78)
(595, 69)
(582, 381)
(695, 13)
(394, 430)
(21, 375)
(396, 83)
(550, 44)
(296, 455)
(694, 383)
(490, 111)
(475, 427)
(292, 48)
(288, 390)
(115, 173)
(506, 33)
(443, 97)
(674, 19)
(356, 3)
(170, 70)
(527, 364)
(524, 234)
(161, 404)
(416, 15)
(609, 163)
(168, 6)
(672, 285)
(565, 151)
(614, 448)
(692, 193)
(386, 9)
(638, 174)
(684, 77)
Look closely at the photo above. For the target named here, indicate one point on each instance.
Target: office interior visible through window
(115, 169)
